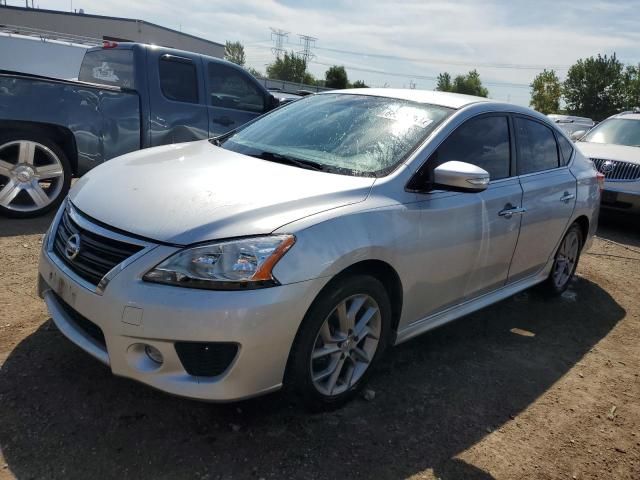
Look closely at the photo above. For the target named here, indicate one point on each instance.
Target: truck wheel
(35, 175)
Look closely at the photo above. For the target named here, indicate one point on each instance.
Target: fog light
(154, 354)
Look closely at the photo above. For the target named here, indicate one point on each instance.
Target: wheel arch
(61, 136)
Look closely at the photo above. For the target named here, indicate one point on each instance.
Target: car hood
(609, 151)
(193, 192)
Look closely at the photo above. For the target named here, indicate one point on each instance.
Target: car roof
(627, 115)
(443, 99)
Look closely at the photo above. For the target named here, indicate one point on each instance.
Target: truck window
(108, 67)
(229, 88)
(178, 79)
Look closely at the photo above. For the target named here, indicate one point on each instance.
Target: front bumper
(622, 196)
(132, 313)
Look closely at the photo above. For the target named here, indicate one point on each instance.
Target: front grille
(206, 359)
(617, 170)
(83, 323)
(97, 254)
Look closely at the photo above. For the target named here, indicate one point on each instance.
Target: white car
(614, 148)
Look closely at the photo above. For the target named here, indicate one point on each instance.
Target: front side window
(619, 131)
(350, 134)
(178, 79)
(108, 67)
(229, 88)
(483, 142)
(537, 148)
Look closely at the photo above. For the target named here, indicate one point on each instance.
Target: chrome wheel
(345, 345)
(566, 259)
(31, 176)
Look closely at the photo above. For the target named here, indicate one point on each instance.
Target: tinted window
(178, 79)
(481, 141)
(229, 88)
(537, 149)
(566, 149)
(108, 67)
(343, 133)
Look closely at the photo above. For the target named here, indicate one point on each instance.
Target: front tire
(565, 262)
(35, 175)
(340, 340)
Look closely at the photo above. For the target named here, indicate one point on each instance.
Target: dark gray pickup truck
(128, 96)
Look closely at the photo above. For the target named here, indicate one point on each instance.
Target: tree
(546, 92)
(234, 52)
(469, 84)
(444, 82)
(255, 72)
(359, 84)
(631, 81)
(291, 68)
(594, 87)
(336, 77)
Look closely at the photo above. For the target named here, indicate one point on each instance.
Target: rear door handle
(567, 196)
(509, 211)
(225, 121)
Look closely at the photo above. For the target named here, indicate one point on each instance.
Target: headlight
(232, 265)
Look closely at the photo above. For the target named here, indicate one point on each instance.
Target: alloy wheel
(345, 345)
(31, 176)
(566, 259)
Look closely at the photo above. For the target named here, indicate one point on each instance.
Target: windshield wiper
(287, 160)
(217, 141)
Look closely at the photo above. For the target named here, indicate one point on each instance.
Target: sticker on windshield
(105, 73)
(409, 116)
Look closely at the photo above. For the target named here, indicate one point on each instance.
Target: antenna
(278, 36)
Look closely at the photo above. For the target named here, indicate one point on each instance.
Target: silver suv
(295, 250)
(614, 148)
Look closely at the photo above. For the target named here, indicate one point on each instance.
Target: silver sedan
(294, 250)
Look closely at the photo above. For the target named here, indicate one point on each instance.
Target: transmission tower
(278, 37)
(307, 43)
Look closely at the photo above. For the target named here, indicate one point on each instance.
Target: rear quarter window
(108, 67)
(566, 150)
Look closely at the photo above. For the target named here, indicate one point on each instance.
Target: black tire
(60, 190)
(550, 286)
(298, 378)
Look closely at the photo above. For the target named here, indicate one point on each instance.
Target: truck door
(233, 97)
(176, 91)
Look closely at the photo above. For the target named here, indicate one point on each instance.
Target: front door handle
(225, 121)
(567, 196)
(509, 211)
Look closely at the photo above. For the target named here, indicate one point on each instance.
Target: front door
(549, 196)
(468, 239)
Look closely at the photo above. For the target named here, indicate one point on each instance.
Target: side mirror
(460, 176)
(272, 102)
(577, 135)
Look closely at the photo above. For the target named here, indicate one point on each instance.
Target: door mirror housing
(577, 135)
(461, 177)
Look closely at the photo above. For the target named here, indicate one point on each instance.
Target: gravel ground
(526, 389)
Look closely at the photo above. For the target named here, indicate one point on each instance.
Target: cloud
(517, 32)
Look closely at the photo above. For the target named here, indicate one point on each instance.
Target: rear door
(549, 196)
(176, 92)
(233, 97)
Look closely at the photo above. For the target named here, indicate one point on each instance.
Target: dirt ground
(526, 389)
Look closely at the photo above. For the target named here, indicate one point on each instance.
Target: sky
(405, 43)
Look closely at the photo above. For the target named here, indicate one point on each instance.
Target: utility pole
(307, 43)
(278, 36)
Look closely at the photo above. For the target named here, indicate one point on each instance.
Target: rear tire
(565, 262)
(35, 175)
(340, 340)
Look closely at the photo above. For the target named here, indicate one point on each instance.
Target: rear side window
(537, 148)
(229, 88)
(178, 79)
(108, 67)
(480, 141)
(566, 149)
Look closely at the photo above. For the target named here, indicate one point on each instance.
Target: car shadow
(64, 415)
(619, 227)
(11, 227)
